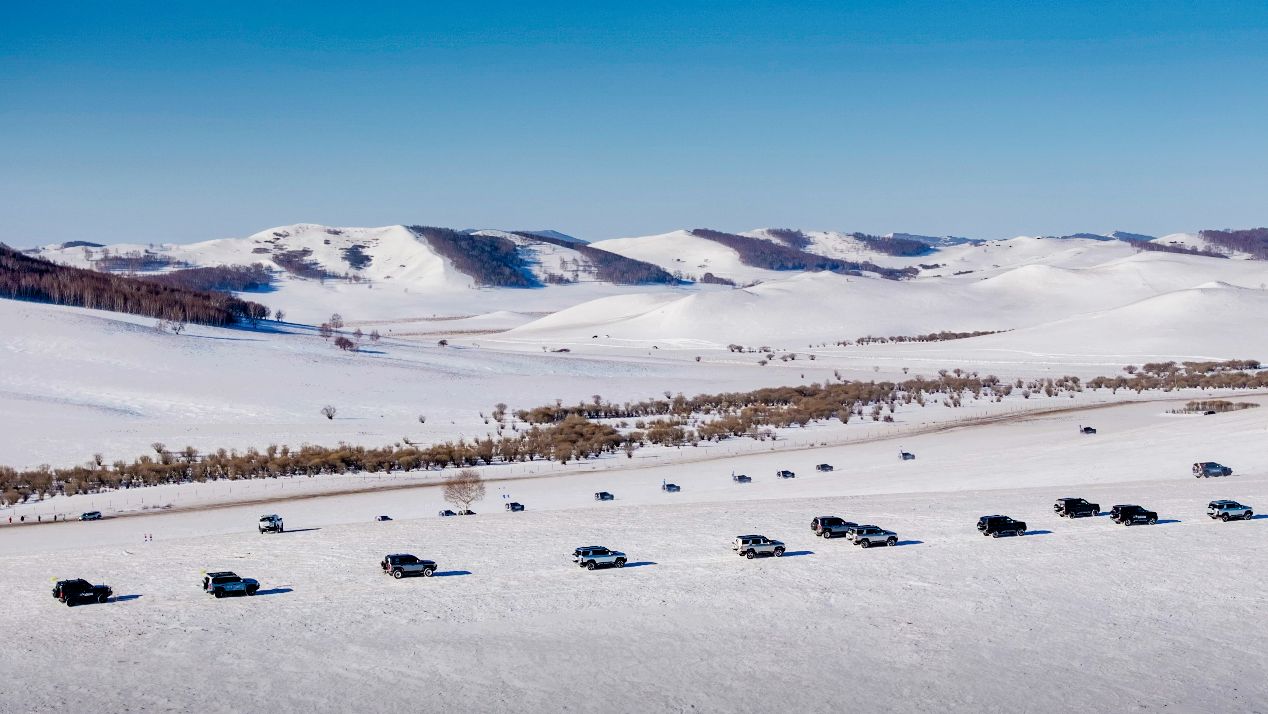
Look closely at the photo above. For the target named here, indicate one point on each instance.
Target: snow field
(1079, 613)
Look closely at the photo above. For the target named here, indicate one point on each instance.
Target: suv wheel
(103, 598)
(1248, 515)
(1151, 520)
(750, 554)
(428, 572)
(779, 552)
(398, 574)
(865, 543)
(590, 565)
(1224, 517)
(250, 592)
(219, 593)
(891, 542)
(620, 562)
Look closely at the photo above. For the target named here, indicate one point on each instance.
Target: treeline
(27, 278)
(1253, 241)
(774, 256)
(569, 440)
(942, 336)
(132, 261)
(300, 263)
(493, 261)
(611, 267)
(1219, 406)
(900, 247)
(565, 433)
(222, 278)
(790, 237)
(711, 279)
(1150, 246)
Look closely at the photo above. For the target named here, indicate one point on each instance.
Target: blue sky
(121, 121)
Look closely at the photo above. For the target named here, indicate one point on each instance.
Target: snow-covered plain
(1078, 614)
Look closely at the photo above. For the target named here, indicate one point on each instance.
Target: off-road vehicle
(398, 565)
(830, 526)
(868, 536)
(1075, 508)
(1132, 514)
(1087, 430)
(90, 516)
(79, 591)
(271, 524)
(741, 478)
(1226, 510)
(447, 513)
(225, 583)
(906, 456)
(785, 474)
(513, 507)
(591, 557)
(604, 496)
(670, 487)
(996, 526)
(1207, 469)
(823, 467)
(751, 546)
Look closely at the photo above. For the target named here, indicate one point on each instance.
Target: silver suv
(1229, 510)
(751, 546)
(597, 556)
(868, 536)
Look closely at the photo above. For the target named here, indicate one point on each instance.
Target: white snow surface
(1164, 617)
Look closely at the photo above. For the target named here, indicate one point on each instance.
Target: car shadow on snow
(299, 530)
(274, 591)
(1038, 532)
(640, 564)
(450, 573)
(794, 553)
(1163, 521)
(1255, 518)
(125, 598)
(910, 542)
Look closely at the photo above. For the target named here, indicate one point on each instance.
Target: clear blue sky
(124, 121)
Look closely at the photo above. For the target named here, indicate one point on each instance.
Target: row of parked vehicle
(221, 584)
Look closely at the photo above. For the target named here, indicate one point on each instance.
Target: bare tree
(336, 321)
(358, 334)
(464, 488)
(328, 411)
(345, 344)
(326, 331)
(375, 336)
(279, 315)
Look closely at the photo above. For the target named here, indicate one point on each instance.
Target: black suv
(996, 526)
(514, 507)
(1075, 508)
(74, 592)
(823, 467)
(1132, 514)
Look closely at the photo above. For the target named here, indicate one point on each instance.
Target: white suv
(868, 536)
(751, 546)
(1229, 510)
